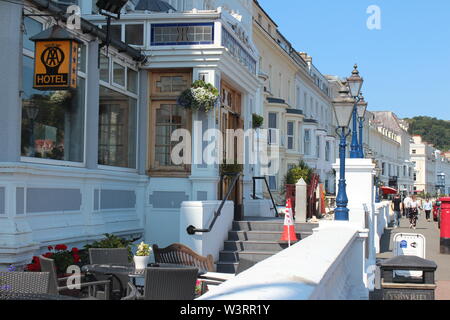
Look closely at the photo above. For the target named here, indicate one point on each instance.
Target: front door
(231, 120)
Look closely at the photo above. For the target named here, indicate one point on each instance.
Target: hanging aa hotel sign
(55, 60)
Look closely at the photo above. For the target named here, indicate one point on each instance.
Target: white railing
(328, 265)
(381, 222)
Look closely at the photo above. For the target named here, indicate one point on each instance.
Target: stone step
(227, 267)
(264, 246)
(261, 235)
(270, 226)
(234, 256)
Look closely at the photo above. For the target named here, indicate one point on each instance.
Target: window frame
(111, 85)
(290, 136)
(307, 139)
(153, 168)
(157, 99)
(123, 31)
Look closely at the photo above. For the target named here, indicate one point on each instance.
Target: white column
(300, 201)
(359, 175)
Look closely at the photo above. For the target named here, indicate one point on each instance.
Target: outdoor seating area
(178, 273)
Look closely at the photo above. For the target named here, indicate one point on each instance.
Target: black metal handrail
(270, 193)
(193, 230)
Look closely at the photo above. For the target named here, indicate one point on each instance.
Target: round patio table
(5, 295)
(128, 270)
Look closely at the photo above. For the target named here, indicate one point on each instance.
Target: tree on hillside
(432, 130)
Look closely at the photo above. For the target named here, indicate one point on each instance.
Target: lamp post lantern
(361, 110)
(355, 83)
(343, 108)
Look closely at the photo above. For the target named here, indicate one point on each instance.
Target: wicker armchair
(48, 265)
(113, 256)
(182, 255)
(169, 284)
(24, 282)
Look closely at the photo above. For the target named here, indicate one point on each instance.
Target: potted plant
(142, 256)
(61, 255)
(257, 121)
(200, 96)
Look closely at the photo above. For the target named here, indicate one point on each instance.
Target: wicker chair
(182, 255)
(132, 292)
(48, 265)
(113, 256)
(24, 282)
(169, 284)
(108, 256)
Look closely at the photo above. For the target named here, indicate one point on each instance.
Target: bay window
(117, 127)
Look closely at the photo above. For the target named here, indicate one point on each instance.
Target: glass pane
(134, 34)
(32, 28)
(115, 31)
(52, 121)
(172, 84)
(82, 58)
(104, 68)
(118, 74)
(290, 128)
(273, 120)
(117, 129)
(290, 143)
(168, 119)
(132, 80)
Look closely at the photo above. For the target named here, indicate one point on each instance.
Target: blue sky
(406, 64)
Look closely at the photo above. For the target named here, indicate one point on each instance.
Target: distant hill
(432, 130)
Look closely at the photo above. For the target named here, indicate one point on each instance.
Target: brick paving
(432, 234)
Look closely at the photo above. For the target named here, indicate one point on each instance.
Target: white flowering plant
(143, 250)
(200, 96)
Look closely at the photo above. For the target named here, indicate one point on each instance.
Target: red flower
(48, 255)
(75, 250)
(35, 265)
(50, 248)
(61, 247)
(76, 258)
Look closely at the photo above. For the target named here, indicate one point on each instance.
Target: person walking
(406, 205)
(396, 207)
(428, 207)
(414, 207)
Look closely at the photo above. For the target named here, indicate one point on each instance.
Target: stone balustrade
(328, 265)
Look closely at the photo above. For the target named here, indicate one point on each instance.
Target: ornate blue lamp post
(361, 110)
(343, 108)
(355, 83)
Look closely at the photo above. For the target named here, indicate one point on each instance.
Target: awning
(388, 190)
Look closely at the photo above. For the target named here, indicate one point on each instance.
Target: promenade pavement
(432, 234)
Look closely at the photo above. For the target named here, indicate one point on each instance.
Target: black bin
(396, 287)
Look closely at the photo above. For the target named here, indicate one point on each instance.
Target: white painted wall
(200, 214)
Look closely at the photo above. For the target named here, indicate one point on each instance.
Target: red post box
(445, 225)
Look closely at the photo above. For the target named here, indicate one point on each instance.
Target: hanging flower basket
(200, 96)
(257, 121)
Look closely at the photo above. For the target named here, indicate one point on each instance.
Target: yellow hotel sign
(55, 64)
